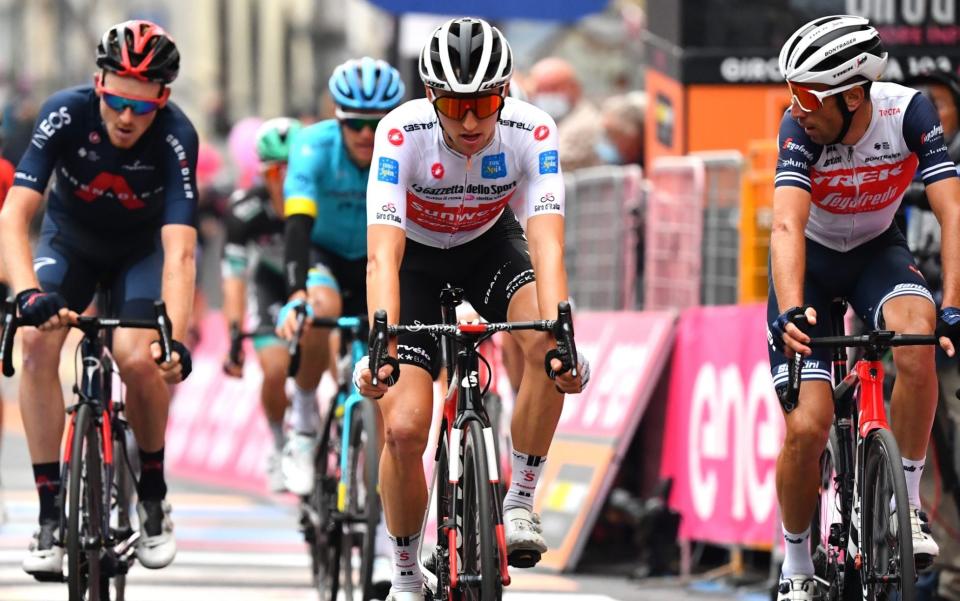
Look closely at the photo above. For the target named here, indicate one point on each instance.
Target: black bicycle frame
(845, 424)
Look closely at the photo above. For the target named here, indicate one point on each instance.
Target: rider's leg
(274, 360)
(314, 356)
(407, 409)
(147, 406)
(512, 361)
(914, 400)
(538, 406)
(798, 469)
(41, 408)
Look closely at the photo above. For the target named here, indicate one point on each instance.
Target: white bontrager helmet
(466, 56)
(832, 50)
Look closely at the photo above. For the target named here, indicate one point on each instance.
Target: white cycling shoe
(798, 588)
(405, 596)
(275, 480)
(44, 560)
(156, 547)
(297, 463)
(525, 543)
(925, 549)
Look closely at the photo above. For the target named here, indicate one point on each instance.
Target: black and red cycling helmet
(139, 49)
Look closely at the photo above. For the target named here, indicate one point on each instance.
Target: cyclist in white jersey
(444, 171)
(849, 147)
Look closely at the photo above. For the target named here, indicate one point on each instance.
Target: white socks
(797, 561)
(276, 428)
(523, 481)
(913, 471)
(407, 576)
(304, 412)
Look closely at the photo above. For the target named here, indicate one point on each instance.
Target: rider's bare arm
(791, 209)
(385, 246)
(545, 233)
(179, 274)
(18, 210)
(944, 197)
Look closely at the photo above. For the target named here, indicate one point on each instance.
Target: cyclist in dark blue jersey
(119, 216)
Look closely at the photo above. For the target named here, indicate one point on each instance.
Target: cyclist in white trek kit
(849, 147)
(444, 170)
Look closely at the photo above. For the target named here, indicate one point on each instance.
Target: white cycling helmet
(466, 56)
(833, 50)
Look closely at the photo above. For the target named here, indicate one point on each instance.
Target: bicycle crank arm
(127, 548)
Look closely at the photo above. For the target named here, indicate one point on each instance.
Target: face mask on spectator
(554, 104)
(607, 151)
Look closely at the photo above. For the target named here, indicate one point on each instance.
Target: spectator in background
(553, 86)
(621, 141)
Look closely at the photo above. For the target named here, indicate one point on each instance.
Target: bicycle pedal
(523, 558)
(49, 577)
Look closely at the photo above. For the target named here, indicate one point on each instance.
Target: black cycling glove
(186, 363)
(948, 324)
(778, 327)
(36, 306)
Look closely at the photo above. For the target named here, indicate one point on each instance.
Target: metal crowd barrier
(721, 238)
(674, 229)
(603, 205)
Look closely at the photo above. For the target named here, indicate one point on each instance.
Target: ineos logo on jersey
(541, 132)
(108, 182)
(395, 137)
(437, 170)
(50, 125)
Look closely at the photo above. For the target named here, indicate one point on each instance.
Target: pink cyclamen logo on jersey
(437, 170)
(395, 136)
(541, 132)
(934, 133)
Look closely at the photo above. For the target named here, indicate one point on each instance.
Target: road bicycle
(861, 537)
(339, 518)
(470, 560)
(98, 475)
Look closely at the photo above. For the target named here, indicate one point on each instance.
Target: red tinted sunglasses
(121, 102)
(457, 107)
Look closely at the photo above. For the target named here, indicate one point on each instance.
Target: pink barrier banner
(216, 432)
(724, 427)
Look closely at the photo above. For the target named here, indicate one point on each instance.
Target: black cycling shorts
(73, 260)
(265, 297)
(866, 276)
(489, 269)
(346, 276)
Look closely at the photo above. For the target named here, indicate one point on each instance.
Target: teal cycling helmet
(274, 137)
(365, 84)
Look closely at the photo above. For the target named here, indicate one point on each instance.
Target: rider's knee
(404, 435)
(326, 301)
(536, 346)
(913, 362)
(136, 364)
(41, 353)
(806, 436)
(274, 373)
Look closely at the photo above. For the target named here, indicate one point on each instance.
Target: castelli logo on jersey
(395, 136)
(437, 170)
(541, 132)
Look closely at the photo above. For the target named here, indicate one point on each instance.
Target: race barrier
(724, 427)
(721, 437)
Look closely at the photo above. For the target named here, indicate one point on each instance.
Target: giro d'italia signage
(697, 43)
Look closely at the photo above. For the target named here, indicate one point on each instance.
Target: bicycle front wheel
(479, 574)
(322, 526)
(84, 539)
(888, 570)
(362, 504)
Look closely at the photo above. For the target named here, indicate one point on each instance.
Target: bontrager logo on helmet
(139, 49)
(832, 50)
(466, 56)
(366, 84)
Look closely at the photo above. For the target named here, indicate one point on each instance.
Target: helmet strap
(847, 115)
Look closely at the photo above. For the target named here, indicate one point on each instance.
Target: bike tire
(125, 483)
(445, 506)
(479, 566)
(322, 530)
(362, 508)
(882, 479)
(83, 497)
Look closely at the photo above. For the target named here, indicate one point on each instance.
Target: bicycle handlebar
(89, 326)
(876, 340)
(561, 328)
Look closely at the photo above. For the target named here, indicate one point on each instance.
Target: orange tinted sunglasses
(457, 107)
(811, 100)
